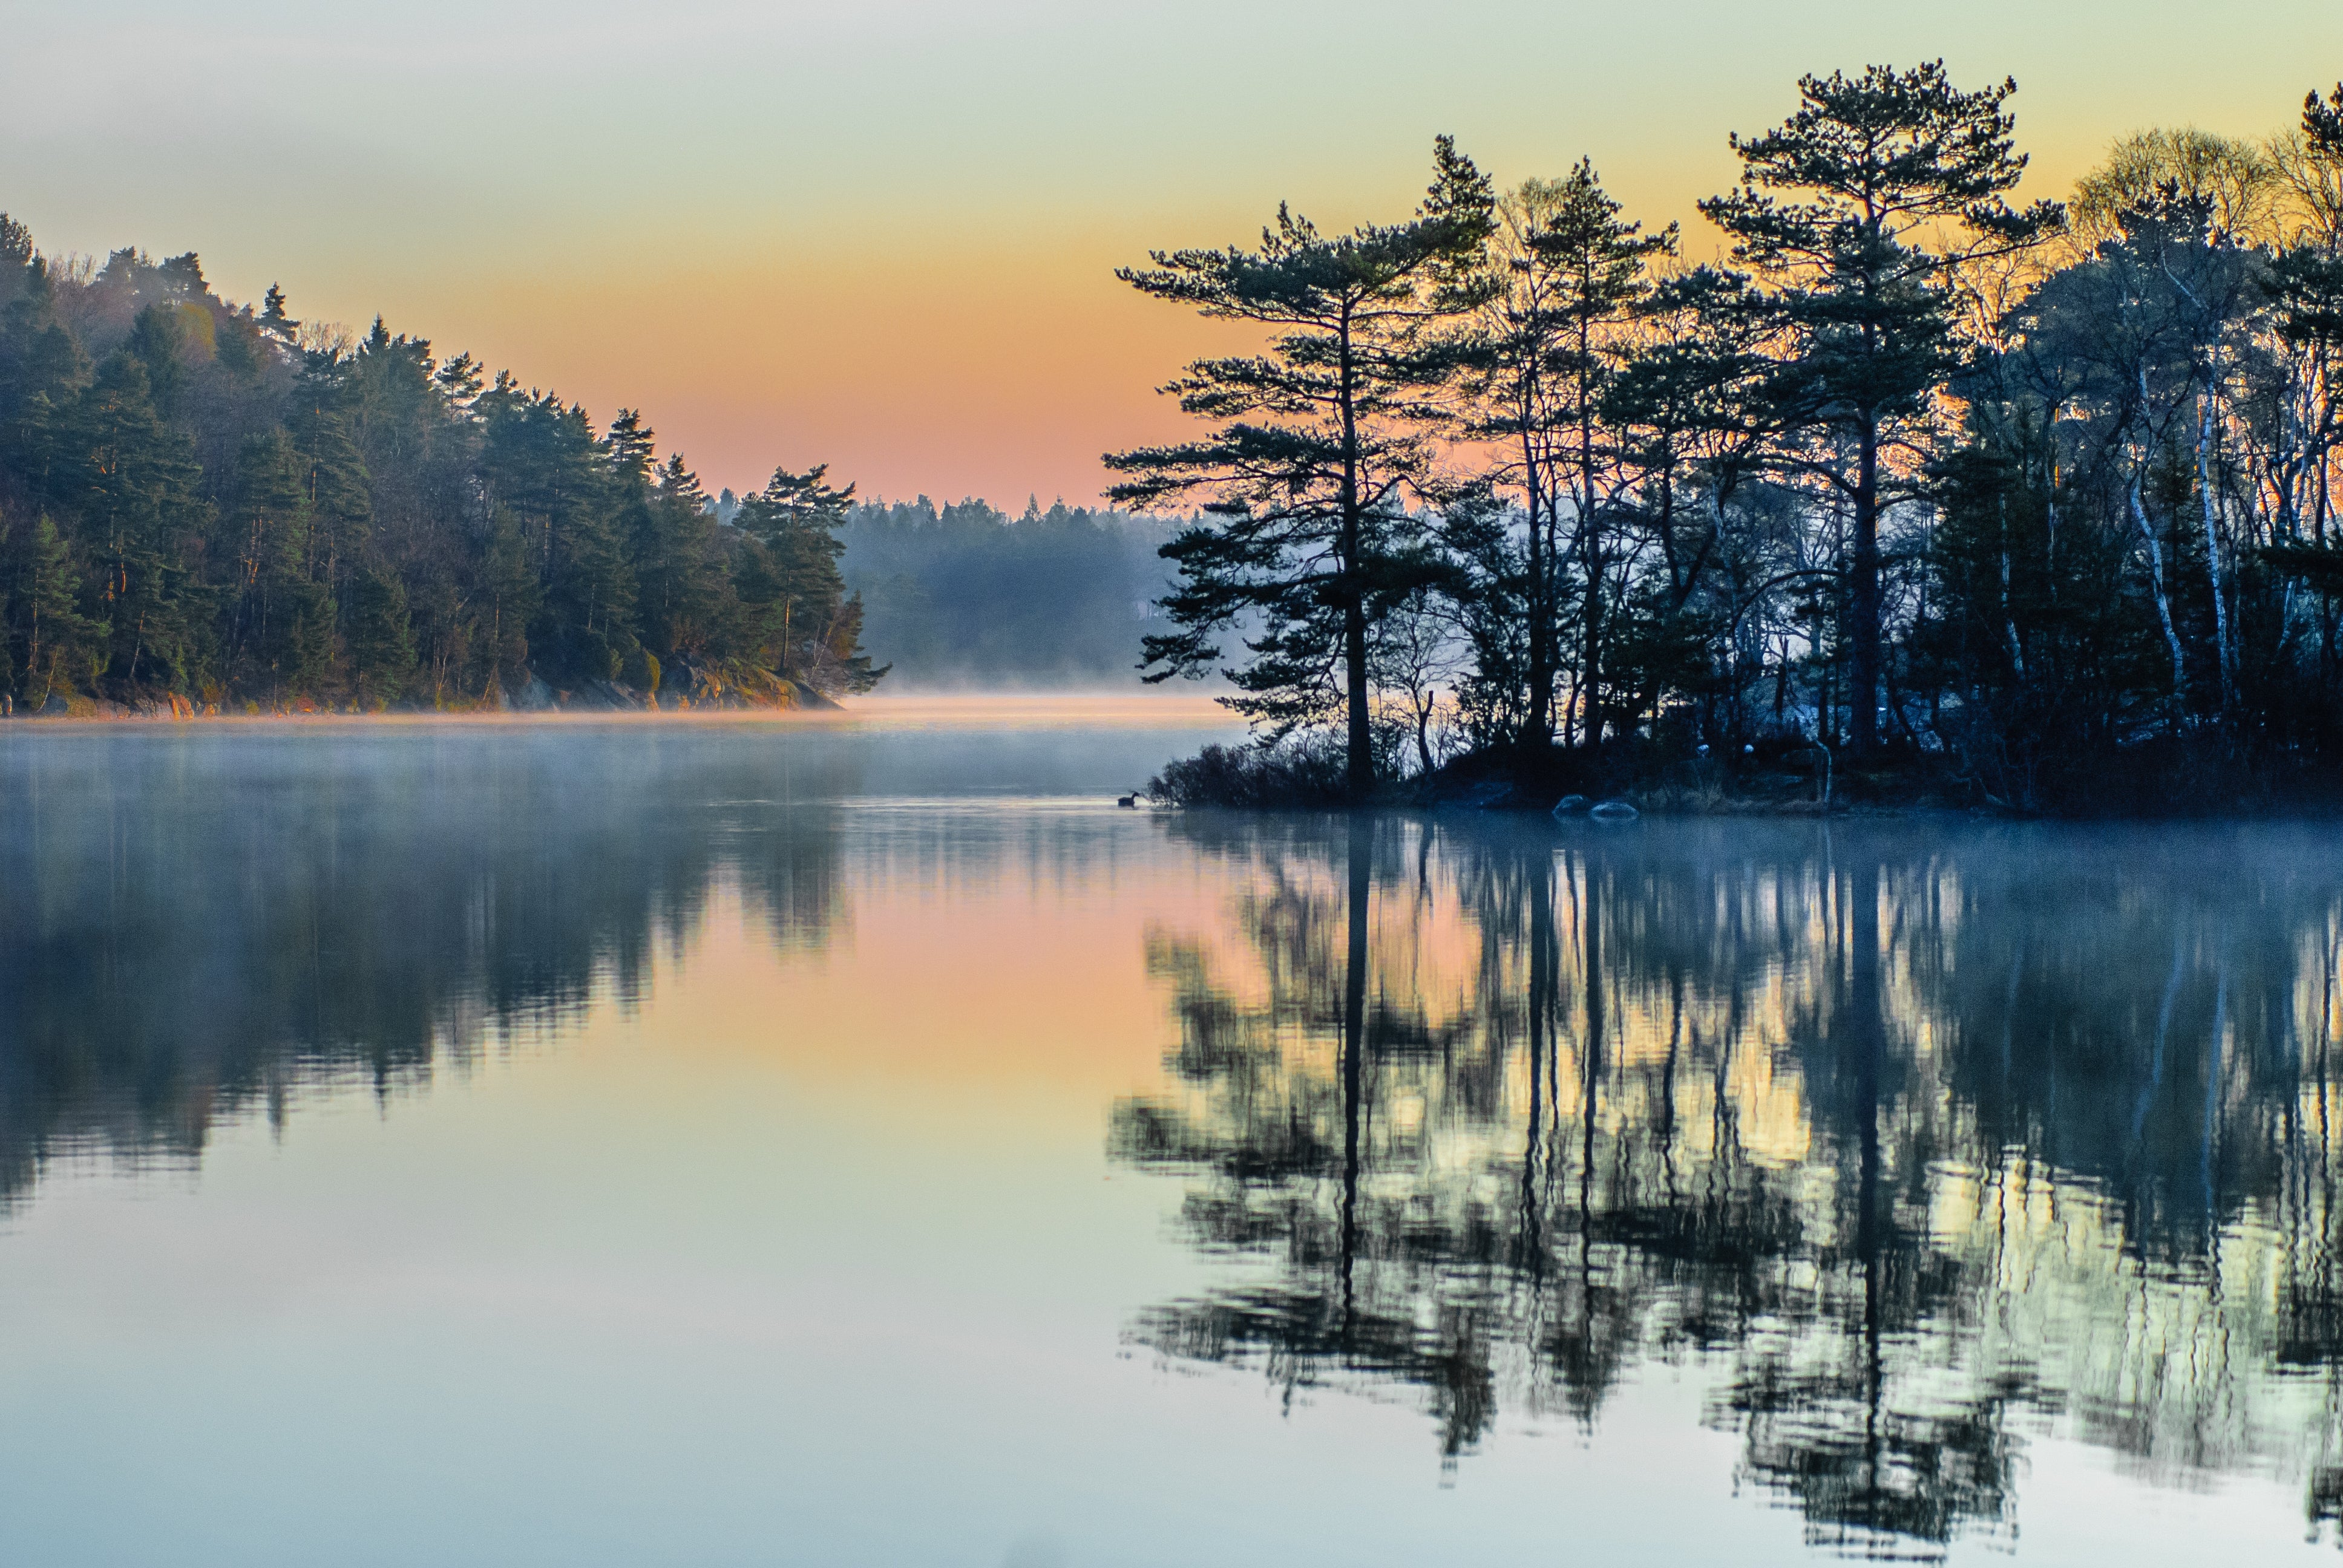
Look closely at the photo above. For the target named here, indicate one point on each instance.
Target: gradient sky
(879, 233)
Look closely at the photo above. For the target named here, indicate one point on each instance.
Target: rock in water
(1570, 806)
(1614, 811)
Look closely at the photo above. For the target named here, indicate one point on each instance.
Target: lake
(857, 1142)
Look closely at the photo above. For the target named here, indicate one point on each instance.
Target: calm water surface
(860, 1143)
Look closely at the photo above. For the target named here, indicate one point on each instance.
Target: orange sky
(881, 235)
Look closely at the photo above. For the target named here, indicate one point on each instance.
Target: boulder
(684, 684)
(807, 696)
(1570, 806)
(1613, 811)
(597, 696)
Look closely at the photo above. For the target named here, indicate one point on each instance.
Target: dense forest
(205, 506)
(2033, 499)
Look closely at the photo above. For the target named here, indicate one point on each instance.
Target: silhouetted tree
(1319, 447)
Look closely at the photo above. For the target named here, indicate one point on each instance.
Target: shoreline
(962, 708)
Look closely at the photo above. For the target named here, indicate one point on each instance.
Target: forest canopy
(211, 505)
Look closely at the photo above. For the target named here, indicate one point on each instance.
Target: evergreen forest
(206, 507)
(2035, 502)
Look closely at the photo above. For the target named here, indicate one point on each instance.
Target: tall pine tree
(1854, 210)
(1318, 446)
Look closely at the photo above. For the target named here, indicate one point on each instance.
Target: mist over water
(859, 1141)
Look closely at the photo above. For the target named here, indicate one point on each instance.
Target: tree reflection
(1917, 1141)
(192, 930)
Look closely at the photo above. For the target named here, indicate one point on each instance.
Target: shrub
(1301, 772)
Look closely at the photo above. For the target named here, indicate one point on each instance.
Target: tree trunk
(1359, 771)
(2163, 599)
(1537, 726)
(1590, 678)
(2224, 658)
(1360, 779)
(1862, 599)
(1590, 531)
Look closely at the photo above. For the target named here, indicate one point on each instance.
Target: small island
(1907, 493)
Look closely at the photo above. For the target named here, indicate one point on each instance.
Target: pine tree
(789, 581)
(41, 366)
(507, 604)
(274, 321)
(300, 648)
(51, 641)
(158, 340)
(335, 491)
(381, 639)
(687, 604)
(1838, 210)
(266, 537)
(1318, 449)
(131, 481)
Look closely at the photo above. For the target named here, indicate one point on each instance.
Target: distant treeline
(2042, 498)
(209, 504)
(968, 594)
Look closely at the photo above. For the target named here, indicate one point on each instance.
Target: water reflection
(1907, 1146)
(195, 930)
(1921, 1142)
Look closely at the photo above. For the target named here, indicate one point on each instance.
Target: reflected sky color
(862, 1143)
(881, 235)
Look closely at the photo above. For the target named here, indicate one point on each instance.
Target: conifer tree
(266, 536)
(789, 581)
(133, 481)
(41, 365)
(273, 318)
(1317, 450)
(509, 598)
(47, 634)
(381, 638)
(337, 495)
(1839, 210)
(687, 604)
